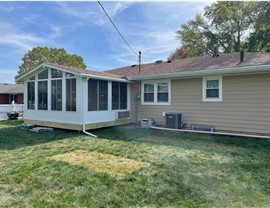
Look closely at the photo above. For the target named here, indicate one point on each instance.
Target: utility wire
(117, 29)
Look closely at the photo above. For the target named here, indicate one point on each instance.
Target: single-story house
(230, 92)
(11, 92)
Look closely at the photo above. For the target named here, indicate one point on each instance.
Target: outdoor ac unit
(174, 120)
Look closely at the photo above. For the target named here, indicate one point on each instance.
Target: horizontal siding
(245, 106)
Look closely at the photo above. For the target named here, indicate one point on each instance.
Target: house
(230, 92)
(73, 98)
(11, 92)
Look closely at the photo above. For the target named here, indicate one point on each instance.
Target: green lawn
(177, 170)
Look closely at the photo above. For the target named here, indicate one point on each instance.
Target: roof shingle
(227, 60)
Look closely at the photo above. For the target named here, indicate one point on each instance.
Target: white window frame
(155, 83)
(220, 91)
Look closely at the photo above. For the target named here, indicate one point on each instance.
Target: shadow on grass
(12, 137)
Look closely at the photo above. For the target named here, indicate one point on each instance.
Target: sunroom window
(97, 95)
(119, 95)
(43, 90)
(31, 95)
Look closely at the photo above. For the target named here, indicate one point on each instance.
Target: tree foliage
(59, 56)
(232, 25)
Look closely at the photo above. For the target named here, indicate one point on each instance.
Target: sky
(82, 28)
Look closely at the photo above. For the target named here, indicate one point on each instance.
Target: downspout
(82, 113)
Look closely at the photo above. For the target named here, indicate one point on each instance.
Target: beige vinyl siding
(245, 106)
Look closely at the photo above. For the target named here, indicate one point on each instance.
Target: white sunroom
(73, 98)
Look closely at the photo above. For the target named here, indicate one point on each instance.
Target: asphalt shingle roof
(228, 60)
(11, 88)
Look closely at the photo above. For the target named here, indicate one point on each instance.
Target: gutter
(212, 133)
(212, 72)
(82, 114)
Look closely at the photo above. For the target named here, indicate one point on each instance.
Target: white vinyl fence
(4, 109)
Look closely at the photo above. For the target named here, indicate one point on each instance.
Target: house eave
(21, 78)
(200, 73)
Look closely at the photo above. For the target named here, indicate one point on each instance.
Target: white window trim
(155, 83)
(204, 98)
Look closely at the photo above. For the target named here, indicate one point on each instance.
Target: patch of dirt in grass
(106, 163)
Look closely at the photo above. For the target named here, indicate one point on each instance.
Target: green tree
(226, 24)
(259, 39)
(59, 56)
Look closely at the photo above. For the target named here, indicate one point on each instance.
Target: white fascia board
(105, 78)
(212, 72)
(70, 71)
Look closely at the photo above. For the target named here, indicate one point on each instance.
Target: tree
(178, 54)
(59, 56)
(227, 24)
(259, 39)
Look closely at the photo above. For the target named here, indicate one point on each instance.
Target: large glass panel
(31, 95)
(123, 95)
(56, 73)
(115, 95)
(42, 95)
(71, 94)
(43, 74)
(69, 75)
(103, 95)
(56, 99)
(92, 95)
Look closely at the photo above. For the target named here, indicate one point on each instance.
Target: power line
(117, 30)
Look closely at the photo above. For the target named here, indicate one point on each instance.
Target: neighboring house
(227, 92)
(73, 98)
(11, 92)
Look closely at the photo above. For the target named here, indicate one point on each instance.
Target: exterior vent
(174, 120)
(134, 65)
(169, 61)
(122, 115)
(158, 62)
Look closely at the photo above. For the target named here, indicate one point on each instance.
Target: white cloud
(92, 12)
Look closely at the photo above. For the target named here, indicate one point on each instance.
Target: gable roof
(77, 71)
(11, 88)
(198, 65)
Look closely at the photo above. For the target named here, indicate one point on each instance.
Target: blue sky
(83, 29)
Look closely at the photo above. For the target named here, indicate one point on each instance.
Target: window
(56, 73)
(43, 74)
(148, 93)
(162, 92)
(97, 95)
(31, 95)
(119, 95)
(212, 89)
(56, 95)
(156, 92)
(12, 98)
(42, 95)
(71, 94)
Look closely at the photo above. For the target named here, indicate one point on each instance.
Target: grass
(114, 165)
(183, 170)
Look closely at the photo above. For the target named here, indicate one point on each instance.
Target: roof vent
(242, 55)
(169, 61)
(215, 51)
(158, 62)
(134, 65)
